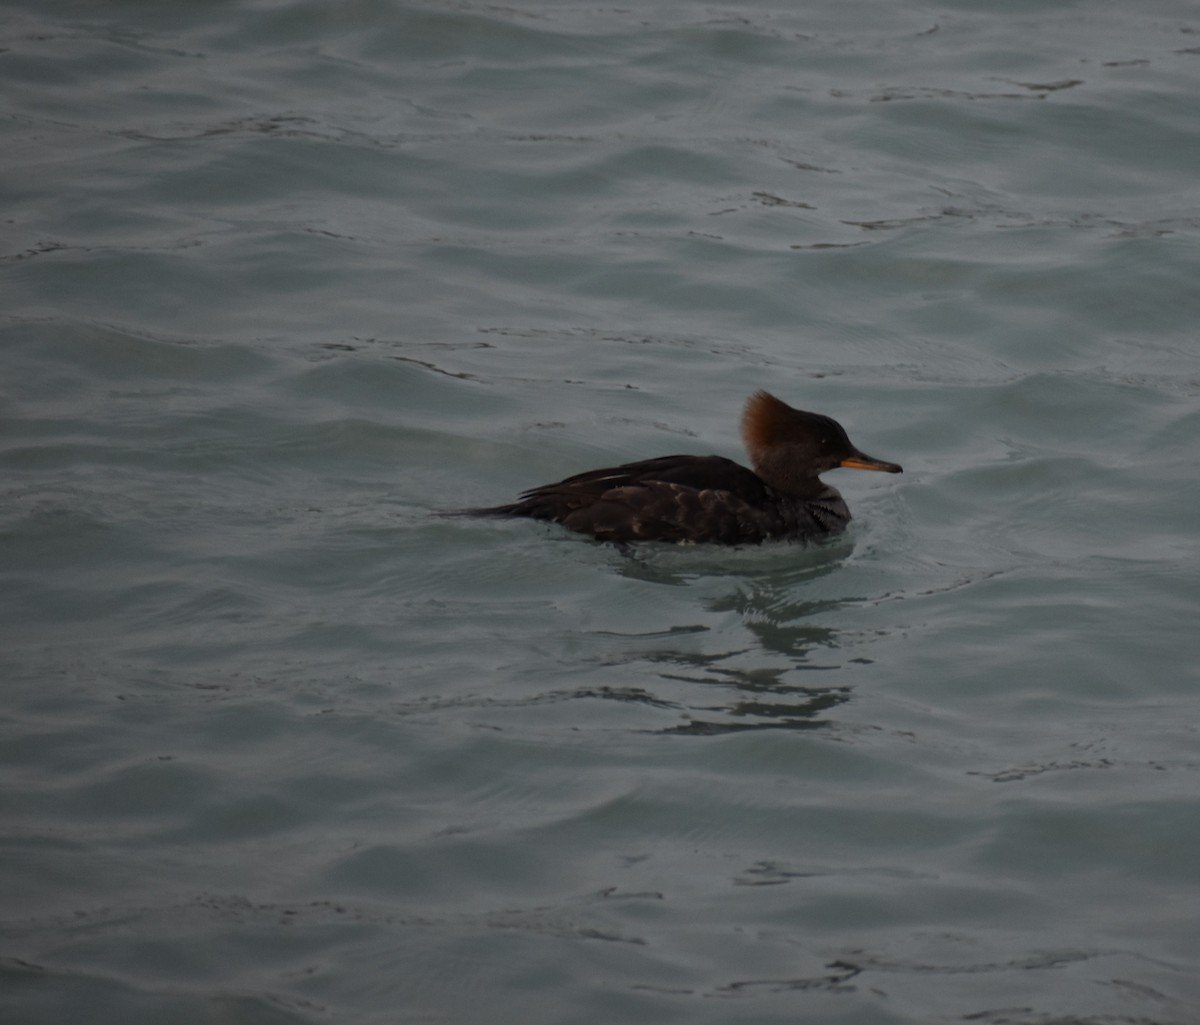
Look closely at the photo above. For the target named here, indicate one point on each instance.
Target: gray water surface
(283, 279)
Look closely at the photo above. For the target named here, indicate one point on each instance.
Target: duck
(711, 499)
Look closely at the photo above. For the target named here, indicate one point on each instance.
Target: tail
(491, 510)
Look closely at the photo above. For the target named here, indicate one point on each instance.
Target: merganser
(711, 499)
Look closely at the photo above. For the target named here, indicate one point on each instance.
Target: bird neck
(779, 471)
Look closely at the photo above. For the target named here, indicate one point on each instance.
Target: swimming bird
(712, 499)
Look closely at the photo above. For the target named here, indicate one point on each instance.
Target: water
(282, 279)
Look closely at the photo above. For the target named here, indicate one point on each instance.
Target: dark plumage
(710, 498)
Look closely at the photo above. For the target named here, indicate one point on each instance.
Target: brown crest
(765, 420)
